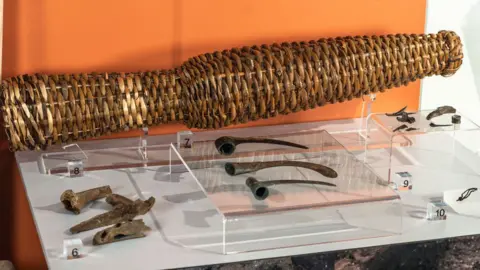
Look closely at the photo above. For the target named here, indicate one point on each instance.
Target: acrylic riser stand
(207, 209)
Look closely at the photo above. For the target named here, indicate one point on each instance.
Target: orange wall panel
(56, 36)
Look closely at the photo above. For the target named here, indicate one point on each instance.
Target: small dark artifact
(404, 117)
(411, 129)
(237, 168)
(400, 128)
(400, 112)
(435, 125)
(466, 194)
(456, 119)
(226, 145)
(74, 202)
(221, 88)
(120, 213)
(115, 199)
(441, 111)
(260, 189)
(121, 231)
(397, 113)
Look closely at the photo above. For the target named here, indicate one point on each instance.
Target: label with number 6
(73, 248)
(75, 252)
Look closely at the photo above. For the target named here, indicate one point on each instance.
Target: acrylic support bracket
(75, 167)
(366, 112)
(184, 139)
(184, 142)
(143, 144)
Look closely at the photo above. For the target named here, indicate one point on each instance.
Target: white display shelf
(158, 251)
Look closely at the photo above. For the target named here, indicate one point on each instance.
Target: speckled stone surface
(6, 265)
(454, 253)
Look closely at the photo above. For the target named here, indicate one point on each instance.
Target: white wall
(462, 90)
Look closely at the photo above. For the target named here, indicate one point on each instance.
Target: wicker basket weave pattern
(219, 89)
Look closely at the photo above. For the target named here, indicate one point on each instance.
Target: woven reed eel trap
(219, 89)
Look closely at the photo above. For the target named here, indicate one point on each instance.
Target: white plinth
(157, 252)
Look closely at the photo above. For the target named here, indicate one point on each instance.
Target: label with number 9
(405, 181)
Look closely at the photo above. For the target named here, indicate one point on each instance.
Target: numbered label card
(437, 210)
(73, 249)
(403, 181)
(184, 139)
(75, 168)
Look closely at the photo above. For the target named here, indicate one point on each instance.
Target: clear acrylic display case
(106, 154)
(362, 205)
(431, 159)
(205, 208)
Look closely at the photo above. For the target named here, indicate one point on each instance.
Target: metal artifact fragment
(116, 199)
(260, 189)
(236, 168)
(226, 145)
(440, 125)
(405, 118)
(121, 231)
(74, 202)
(441, 111)
(400, 112)
(400, 128)
(466, 194)
(121, 212)
(397, 113)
